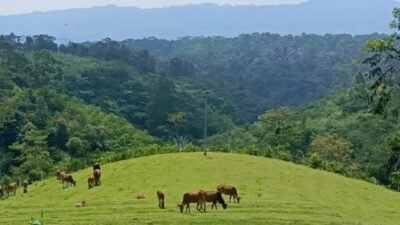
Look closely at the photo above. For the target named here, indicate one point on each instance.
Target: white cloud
(8, 7)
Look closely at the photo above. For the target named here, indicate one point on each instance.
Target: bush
(315, 161)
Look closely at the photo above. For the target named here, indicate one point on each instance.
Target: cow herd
(67, 180)
(198, 197)
(201, 197)
(11, 188)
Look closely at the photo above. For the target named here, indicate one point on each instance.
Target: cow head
(238, 199)
(224, 206)
(180, 206)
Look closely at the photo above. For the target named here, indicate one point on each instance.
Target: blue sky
(8, 7)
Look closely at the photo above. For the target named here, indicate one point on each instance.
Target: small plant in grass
(34, 222)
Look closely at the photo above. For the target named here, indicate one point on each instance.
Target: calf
(193, 197)
(90, 181)
(25, 185)
(68, 181)
(12, 188)
(161, 199)
(215, 197)
(229, 190)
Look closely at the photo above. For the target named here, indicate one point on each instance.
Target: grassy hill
(273, 192)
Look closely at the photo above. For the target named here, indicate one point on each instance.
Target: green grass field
(272, 191)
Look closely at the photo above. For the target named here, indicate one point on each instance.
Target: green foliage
(332, 148)
(260, 71)
(383, 58)
(394, 180)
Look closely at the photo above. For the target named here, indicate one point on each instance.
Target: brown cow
(1, 191)
(25, 185)
(60, 174)
(161, 199)
(229, 190)
(97, 176)
(91, 181)
(68, 181)
(12, 188)
(215, 197)
(193, 197)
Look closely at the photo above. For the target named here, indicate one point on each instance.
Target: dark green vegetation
(70, 105)
(273, 192)
(260, 71)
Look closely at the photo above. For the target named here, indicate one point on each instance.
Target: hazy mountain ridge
(315, 16)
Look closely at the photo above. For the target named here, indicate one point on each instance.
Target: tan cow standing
(229, 190)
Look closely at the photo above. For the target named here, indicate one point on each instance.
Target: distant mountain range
(314, 16)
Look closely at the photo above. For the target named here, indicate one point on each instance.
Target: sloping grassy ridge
(273, 192)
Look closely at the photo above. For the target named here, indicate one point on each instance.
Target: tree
(32, 153)
(59, 137)
(332, 148)
(393, 162)
(383, 60)
(44, 68)
(162, 103)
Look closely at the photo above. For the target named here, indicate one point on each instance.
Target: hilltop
(315, 16)
(273, 192)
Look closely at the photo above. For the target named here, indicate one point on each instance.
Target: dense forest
(258, 71)
(297, 98)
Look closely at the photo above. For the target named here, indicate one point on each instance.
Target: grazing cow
(81, 204)
(68, 181)
(215, 197)
(197, 197)
(229, 190)
(90, 181)
(97, 176)
(161, 199)
(1, 191)
(12, 188)
(25, 184)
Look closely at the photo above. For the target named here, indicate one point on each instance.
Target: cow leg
(230, 197)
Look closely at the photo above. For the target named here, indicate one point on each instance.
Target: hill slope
(315, 16)
(273, 192)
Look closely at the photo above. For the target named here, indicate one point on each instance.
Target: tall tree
(384, 61)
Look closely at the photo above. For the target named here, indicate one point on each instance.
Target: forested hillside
(69, 105)
(256, 72)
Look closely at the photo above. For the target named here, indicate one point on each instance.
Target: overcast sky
(8, 7)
